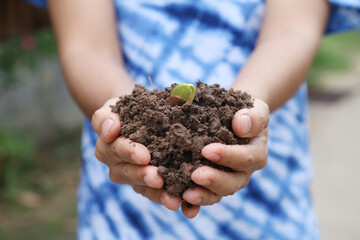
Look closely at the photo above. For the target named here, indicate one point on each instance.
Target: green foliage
(18, 148)
(17, 152)
(24, 51)
(336, 54)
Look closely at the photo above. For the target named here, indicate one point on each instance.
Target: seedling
(181, 94)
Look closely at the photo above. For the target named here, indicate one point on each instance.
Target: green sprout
(185, 91)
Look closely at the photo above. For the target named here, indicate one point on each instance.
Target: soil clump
(175, 135)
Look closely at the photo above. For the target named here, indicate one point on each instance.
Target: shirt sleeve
(40, 3)
(344, 15)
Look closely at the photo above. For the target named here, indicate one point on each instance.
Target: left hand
(243, 159)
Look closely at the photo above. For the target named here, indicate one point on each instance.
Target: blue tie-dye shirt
(186, 40)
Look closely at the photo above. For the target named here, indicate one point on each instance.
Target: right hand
(129, 161)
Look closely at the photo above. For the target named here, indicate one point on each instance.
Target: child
(263, 48)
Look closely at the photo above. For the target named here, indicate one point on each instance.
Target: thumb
(106, 123)
(248, 123)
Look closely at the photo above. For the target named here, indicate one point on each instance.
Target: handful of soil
(175, 135)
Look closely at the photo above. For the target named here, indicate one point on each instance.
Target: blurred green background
(40, 129)
(337, 53)
(39, 163)
(40, 157)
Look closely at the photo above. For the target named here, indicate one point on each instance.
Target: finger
(219, 182)
(248, 158)
(124, 150)
(171, 202)
(201, 196)
(248, 123)
(136, 175)
(189, 211)
(159, 196)
(106, 123)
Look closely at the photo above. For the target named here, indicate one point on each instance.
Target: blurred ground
(335, 141)
(47, 208)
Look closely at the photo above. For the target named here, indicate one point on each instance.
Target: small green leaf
(192, 94)
(185, 91)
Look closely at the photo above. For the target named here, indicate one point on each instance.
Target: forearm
(94, 77)
(288, 40)
(277, 68)
(89, 50)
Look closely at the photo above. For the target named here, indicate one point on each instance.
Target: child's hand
(128, 166)
(128, 161)
(243, 159)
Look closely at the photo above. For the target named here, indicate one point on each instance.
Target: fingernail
(107, 125)
(197, 202)
(205, 183)
(245, 122)
(211, 155)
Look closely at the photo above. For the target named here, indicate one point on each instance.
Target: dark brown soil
(176, 135)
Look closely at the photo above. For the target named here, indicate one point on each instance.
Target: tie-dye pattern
(182, 41)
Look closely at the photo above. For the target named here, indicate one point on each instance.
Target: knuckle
(130, 174)
(94, 120)
(114, 147)
(238, 186)
(264, 123)
(138, 189)
(211, 176)
(113, 177)
(119, 148)
(215, 199)
(218, 199)
(263, 159)
(146, 192)
(263, 113)
(247, 180)
(125, 170)
(250, 161)
(95, 114)
(247, 163)
(263, 163)
(99, 155)
(232, 191)
(240, 183)
(264, 136)
(223, 150)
